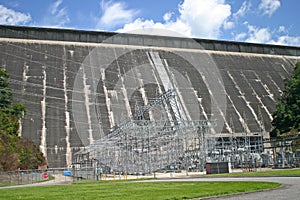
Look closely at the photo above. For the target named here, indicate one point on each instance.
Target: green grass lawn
(134, 190)
(276, 172)
(158, 190)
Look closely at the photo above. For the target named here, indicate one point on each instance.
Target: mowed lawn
(273, 172)
(134, 190)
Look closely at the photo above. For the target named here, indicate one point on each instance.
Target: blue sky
(258, 21)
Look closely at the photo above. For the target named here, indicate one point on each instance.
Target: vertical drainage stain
(87, 93)
(67, 113)
(43, 145)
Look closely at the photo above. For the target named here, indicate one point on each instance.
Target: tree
(15, 152)
(8, 154)
(29, 155)
(5, 92)
(286, 117)
(10, 112)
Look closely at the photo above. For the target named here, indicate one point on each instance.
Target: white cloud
(264, 35)
(235, 17)
(114, 14)
(288, 40)
(282, 29)
(54, 7)
(228, 25)
(58, 16)
(268, 7)
(150, 27)
(240, 36)
(259, 35)
(11, 17)
(167, 16)
(203, 18)
(243, 10)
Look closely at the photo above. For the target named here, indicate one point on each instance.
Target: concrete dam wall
(78, 85)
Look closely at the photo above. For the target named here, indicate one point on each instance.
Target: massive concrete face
(75, 92)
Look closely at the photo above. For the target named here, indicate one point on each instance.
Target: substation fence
(21, 177)
(138, 146)
(286, 150)
(150, 146)
(145, 150)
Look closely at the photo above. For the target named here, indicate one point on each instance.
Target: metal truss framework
(142, 146)
(153, 146)
(136, 145)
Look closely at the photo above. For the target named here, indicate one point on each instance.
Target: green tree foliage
(10, 112)
(30, 156)
(15, 152)
(6, 95)
(286, 118)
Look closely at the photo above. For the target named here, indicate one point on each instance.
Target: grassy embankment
(134, 190)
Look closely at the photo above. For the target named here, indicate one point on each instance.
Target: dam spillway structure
(78, 86)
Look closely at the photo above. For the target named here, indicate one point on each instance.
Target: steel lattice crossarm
(165, 97)
(137, 142)
(139, 112)
(153, 131)
(152, 145)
